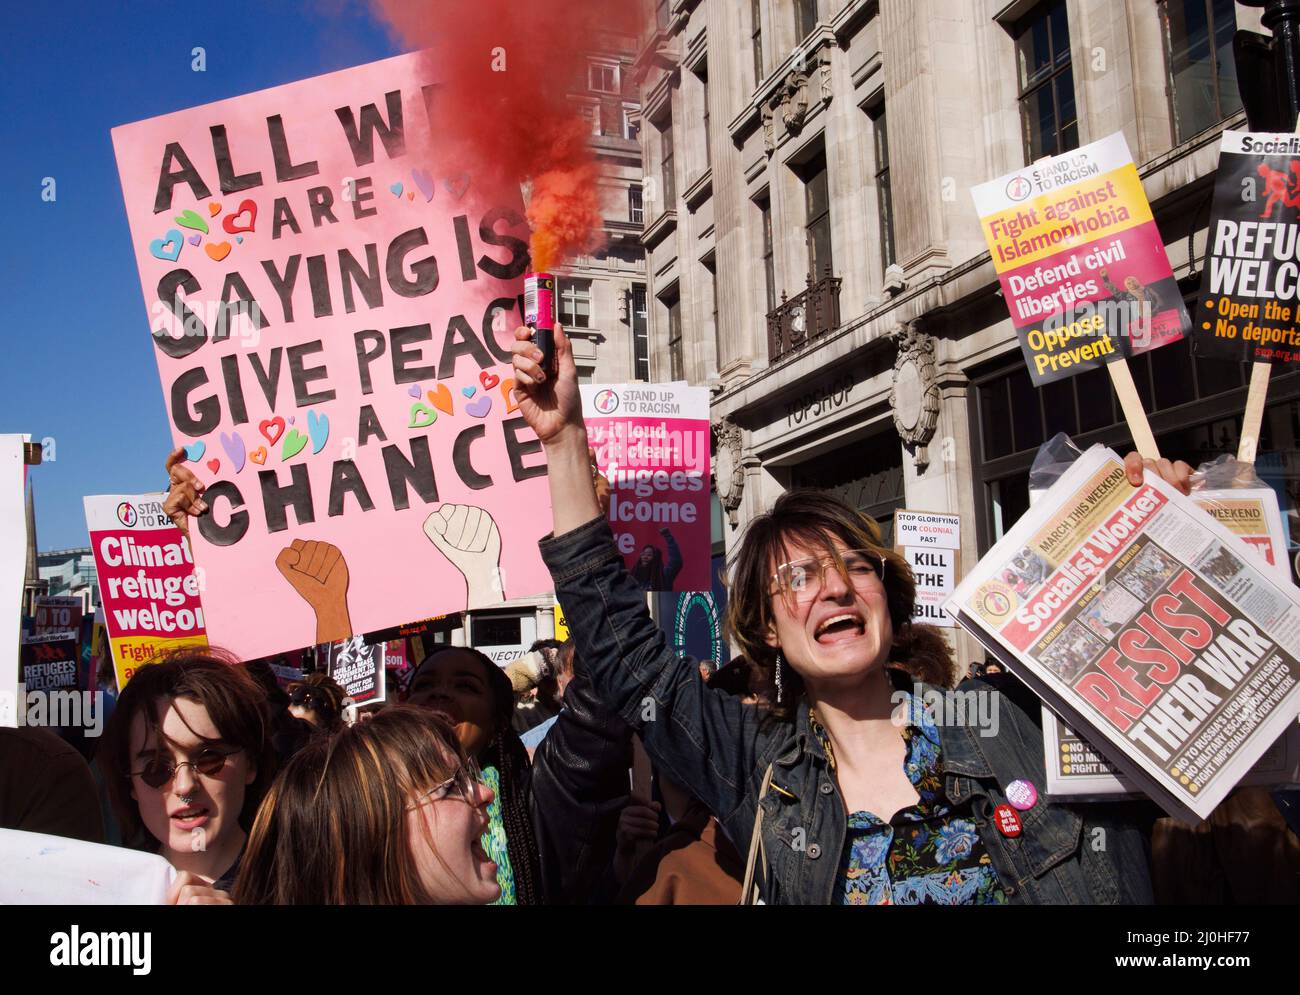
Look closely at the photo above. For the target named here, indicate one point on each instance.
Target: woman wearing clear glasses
(187, 757)
(850, 789)
(387, 812)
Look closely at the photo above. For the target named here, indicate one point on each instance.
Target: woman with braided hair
(476, 697)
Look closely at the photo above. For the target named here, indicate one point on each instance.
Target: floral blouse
(928, 854)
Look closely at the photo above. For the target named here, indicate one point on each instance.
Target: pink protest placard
(147, 581)
(332, 313)
(652, 443)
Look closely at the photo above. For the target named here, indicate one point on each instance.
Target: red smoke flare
(502, 114)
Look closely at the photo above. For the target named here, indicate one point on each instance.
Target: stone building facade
(814, 256)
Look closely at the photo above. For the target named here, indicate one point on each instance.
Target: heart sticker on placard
(233, 444)
(396, 188)
(422, 416)
(214, 208)
(293, 444)
(481, 407)
(195, 450)
(188, 219)
(424, 182)
(258, 455)
(235, 223)
(488, 380)
(441, 398)
(469, 391)
(217, 251)
(507, 387)
(214, 464)
(168, 247)
(414, 390)
(457, 184)
(318, 427)
(276, 423)
(195, 239)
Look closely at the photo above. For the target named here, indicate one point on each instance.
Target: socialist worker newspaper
(1142, 622)
(1075, 770)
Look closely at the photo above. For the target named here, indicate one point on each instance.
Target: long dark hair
(650, 575)
(234, 702)
(507, 754)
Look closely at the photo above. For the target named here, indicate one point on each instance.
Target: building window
(676, 354)
(666, 176)
(1047, 110)
(602, 77)
(805, 18)
(635, 206)
(817, 212)
(496, 630)
(756, 37)
(711, 268)
(586, 374)
(661, 13)
(884, 196)
(592, 113)
(1176, 387)
(1202, 70)
(575, 303)
(866, 475)
(640, 334)
(769, 270)
(631, 122)
(704, 94)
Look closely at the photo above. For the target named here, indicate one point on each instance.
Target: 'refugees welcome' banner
(332, 318)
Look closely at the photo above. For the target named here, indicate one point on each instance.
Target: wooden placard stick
(1143, 439)
(1251, 421)
(1256, 395)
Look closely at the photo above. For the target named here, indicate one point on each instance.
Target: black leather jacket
(579, 785)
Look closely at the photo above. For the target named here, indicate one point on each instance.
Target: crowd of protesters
(808, 770)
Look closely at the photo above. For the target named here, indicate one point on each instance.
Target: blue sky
(78, 362)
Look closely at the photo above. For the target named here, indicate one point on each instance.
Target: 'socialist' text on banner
(1146, 625)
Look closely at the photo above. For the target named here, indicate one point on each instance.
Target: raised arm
(704, 739)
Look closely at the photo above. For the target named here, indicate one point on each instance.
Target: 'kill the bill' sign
(931, 544)
(332, 313)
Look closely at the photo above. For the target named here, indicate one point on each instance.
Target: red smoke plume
(502, 113)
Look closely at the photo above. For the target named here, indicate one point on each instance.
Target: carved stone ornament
(795, 99)
(728, 473)
(914, 398)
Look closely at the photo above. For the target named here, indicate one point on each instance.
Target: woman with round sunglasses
(318, 700)
(849, 788)
(386, 812)
(187, 757)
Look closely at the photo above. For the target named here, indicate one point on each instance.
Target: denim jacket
(720, 749)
